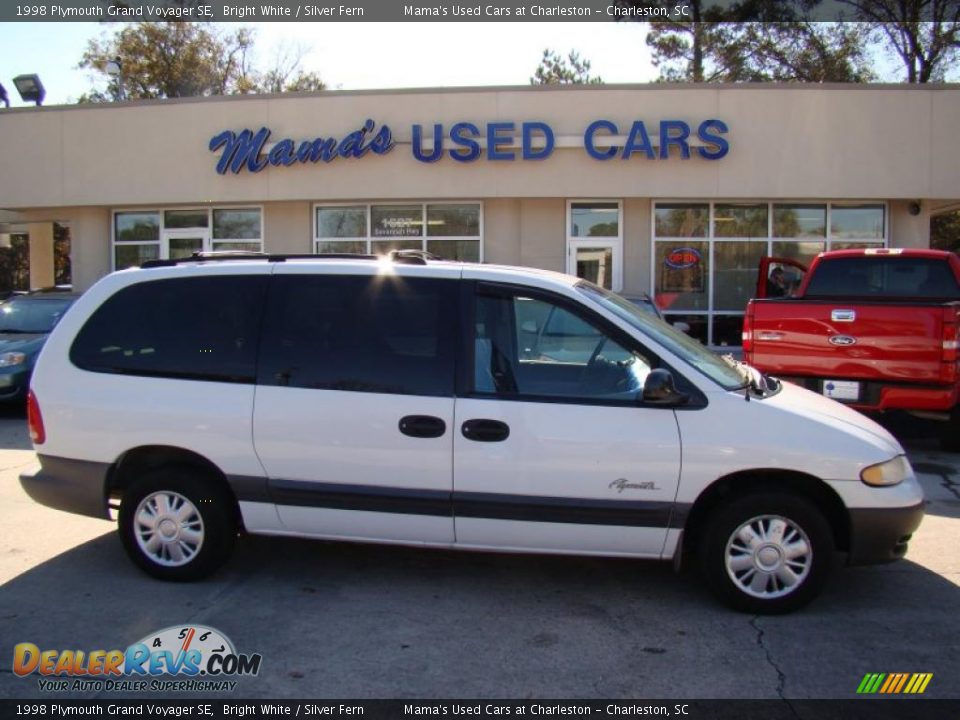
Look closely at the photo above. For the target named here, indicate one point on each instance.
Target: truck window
(883, 277)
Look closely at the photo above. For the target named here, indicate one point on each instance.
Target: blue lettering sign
(542, 129)
(638, 141)
(495, 139)
(588, 141)
(437, 144)
(674, 132)
(245, 149)
(463, 134)
(719, 145)
(253, 151)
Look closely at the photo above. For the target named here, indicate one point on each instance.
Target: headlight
(887, 473)
(12, 358)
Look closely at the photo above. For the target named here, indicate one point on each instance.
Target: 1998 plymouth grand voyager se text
(405, 400)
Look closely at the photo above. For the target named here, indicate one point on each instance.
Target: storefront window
(735, 273)
(448, 230)
(706, 283)
(802, 251)
(453, 220)
(600, 219)
(794, 221)
(857, 222)
(682, 273)
(740, 221)
(236, 224)
(175, 219)
(681, 220)
(388, 221)
(342, 222)
(144, 235)
(137, 238)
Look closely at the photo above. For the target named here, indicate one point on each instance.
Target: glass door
(183, 243)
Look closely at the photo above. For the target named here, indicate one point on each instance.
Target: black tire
(805, 527)
(213, 514)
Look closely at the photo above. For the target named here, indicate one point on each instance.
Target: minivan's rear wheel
(176, 524)
(767, 553)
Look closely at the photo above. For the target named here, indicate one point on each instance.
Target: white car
(448, 405)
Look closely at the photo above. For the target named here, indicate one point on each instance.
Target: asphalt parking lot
(352, 621)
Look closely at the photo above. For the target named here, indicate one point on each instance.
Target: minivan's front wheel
(767, 553)
(177, 525)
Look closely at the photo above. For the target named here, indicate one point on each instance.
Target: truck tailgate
(860, 340)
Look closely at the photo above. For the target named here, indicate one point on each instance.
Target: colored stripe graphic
(894, 683)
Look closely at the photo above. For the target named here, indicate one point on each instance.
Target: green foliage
(945, 231)
(557, 70)
(760, 51)
(187, 59)
(923, 34)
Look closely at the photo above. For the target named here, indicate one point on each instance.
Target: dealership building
(672, 190)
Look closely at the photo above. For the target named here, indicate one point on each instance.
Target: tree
(804, 51)
(945, 231)
(923, 34)
(187, 59)
(557, 70)
(754, 40)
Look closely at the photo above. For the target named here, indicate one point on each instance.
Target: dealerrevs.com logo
(178, 658)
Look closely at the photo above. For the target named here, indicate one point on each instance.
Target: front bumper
(74, 486)
(880, 535)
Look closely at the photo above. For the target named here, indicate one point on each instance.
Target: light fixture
(4, 98)
(30, 88)
(114, 69)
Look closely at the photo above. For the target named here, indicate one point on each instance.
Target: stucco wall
(790, 142)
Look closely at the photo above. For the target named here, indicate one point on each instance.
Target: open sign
(682, 258)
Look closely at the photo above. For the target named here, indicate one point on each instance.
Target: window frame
(424, 238)
(162, 244)
(576, 242)
(711, 239)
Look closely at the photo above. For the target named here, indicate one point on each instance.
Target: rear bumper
(878, 396)
(74, 486)
(880, 535)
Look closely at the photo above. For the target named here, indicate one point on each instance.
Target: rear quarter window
(203, 328)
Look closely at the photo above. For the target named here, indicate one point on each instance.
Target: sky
(355, 56)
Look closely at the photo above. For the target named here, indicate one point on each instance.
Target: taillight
(948, 366)
(747, 334)
(35, 420)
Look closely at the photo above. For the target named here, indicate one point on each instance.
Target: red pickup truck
(875, 329)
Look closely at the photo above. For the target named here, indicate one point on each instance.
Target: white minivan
(404, 400)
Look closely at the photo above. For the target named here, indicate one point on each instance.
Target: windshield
(32, 315)
(683, 346)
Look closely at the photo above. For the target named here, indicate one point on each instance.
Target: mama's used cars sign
(466, 142)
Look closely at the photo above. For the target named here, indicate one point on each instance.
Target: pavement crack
(781, 676)
(943, 472)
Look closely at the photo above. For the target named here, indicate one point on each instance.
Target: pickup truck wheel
(767, 553)
(175, 524)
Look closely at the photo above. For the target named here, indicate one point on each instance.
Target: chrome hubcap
(168, 528)
(768, 556)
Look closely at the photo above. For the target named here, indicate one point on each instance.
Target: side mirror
(659, 389)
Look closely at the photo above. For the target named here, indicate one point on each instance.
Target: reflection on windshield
(662, 333)
(31, 316)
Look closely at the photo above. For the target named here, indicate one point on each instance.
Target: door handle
(485, 430)
(422, 426)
